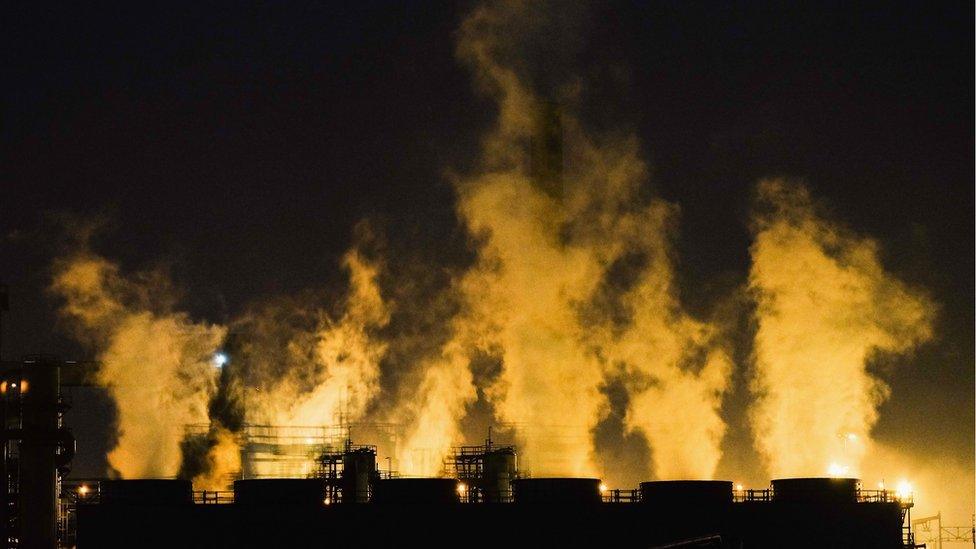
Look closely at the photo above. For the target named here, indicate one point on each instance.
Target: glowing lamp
(903, 490)
(837, 470)
(219, 359)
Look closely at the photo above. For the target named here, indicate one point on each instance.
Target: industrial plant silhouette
(348, 499)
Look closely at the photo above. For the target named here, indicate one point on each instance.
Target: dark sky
(242, 144)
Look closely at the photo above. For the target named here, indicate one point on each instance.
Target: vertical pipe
(38, 467)
(4, 480)
(546, 162)
(4, 441)
(939, 515)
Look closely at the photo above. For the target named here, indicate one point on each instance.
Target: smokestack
(546, 163)
(45, 448)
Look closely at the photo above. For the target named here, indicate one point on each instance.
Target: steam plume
(544, 296)
(826, 308)
(446, 388)
(155, 363)
(572, 285)
(223, 462)
(332, 370)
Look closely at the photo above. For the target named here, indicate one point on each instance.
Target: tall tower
(35, 450)
(546, 159)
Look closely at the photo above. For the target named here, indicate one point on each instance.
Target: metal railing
(74, 494)
(213, 497)
(766, 495)
(480, 494)
(621, 496)
(884, 496)
(752, 496)
(861, 496)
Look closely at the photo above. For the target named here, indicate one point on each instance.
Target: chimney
(546, 163)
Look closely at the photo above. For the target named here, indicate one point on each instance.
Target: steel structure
(485, 472)
(36, 450)
(930, 530)
(298, 451)
(349, 472)
(545, 512)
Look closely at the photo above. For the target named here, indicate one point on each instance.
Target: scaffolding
(348, 471)
(271, 451)
(298, 451)
(485, 472)
(550, 449)
(932, 531)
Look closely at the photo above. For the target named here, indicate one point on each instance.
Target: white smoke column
(677, 369)
(156, 365)
(529, 285)
(679, 375)
(444, 391)
(223, 462)
(825, 307)
(347, 357)
(541, 261)
(333, 374)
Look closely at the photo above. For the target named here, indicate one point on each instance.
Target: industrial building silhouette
(347, 500)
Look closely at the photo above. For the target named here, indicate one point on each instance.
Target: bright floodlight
(603, 488)
(219, 359)
(904, 490)
(837, 470)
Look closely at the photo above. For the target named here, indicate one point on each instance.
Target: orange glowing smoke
(825, 308)
(155, 363)
(536, 297)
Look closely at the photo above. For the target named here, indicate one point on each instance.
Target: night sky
(240, 145)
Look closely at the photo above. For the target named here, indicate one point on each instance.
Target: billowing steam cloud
(571, 284)
(825, 309)
(572, 290)
(330, 370)
(155, 363)
(222, 461)
(159, 368)
(446, 388)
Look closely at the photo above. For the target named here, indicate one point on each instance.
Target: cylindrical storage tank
(500, 469)
(358, 472)
(686, 492)
(146, 492)
(416, 490)
(557, 490)
(286, 491)
(815, 490)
